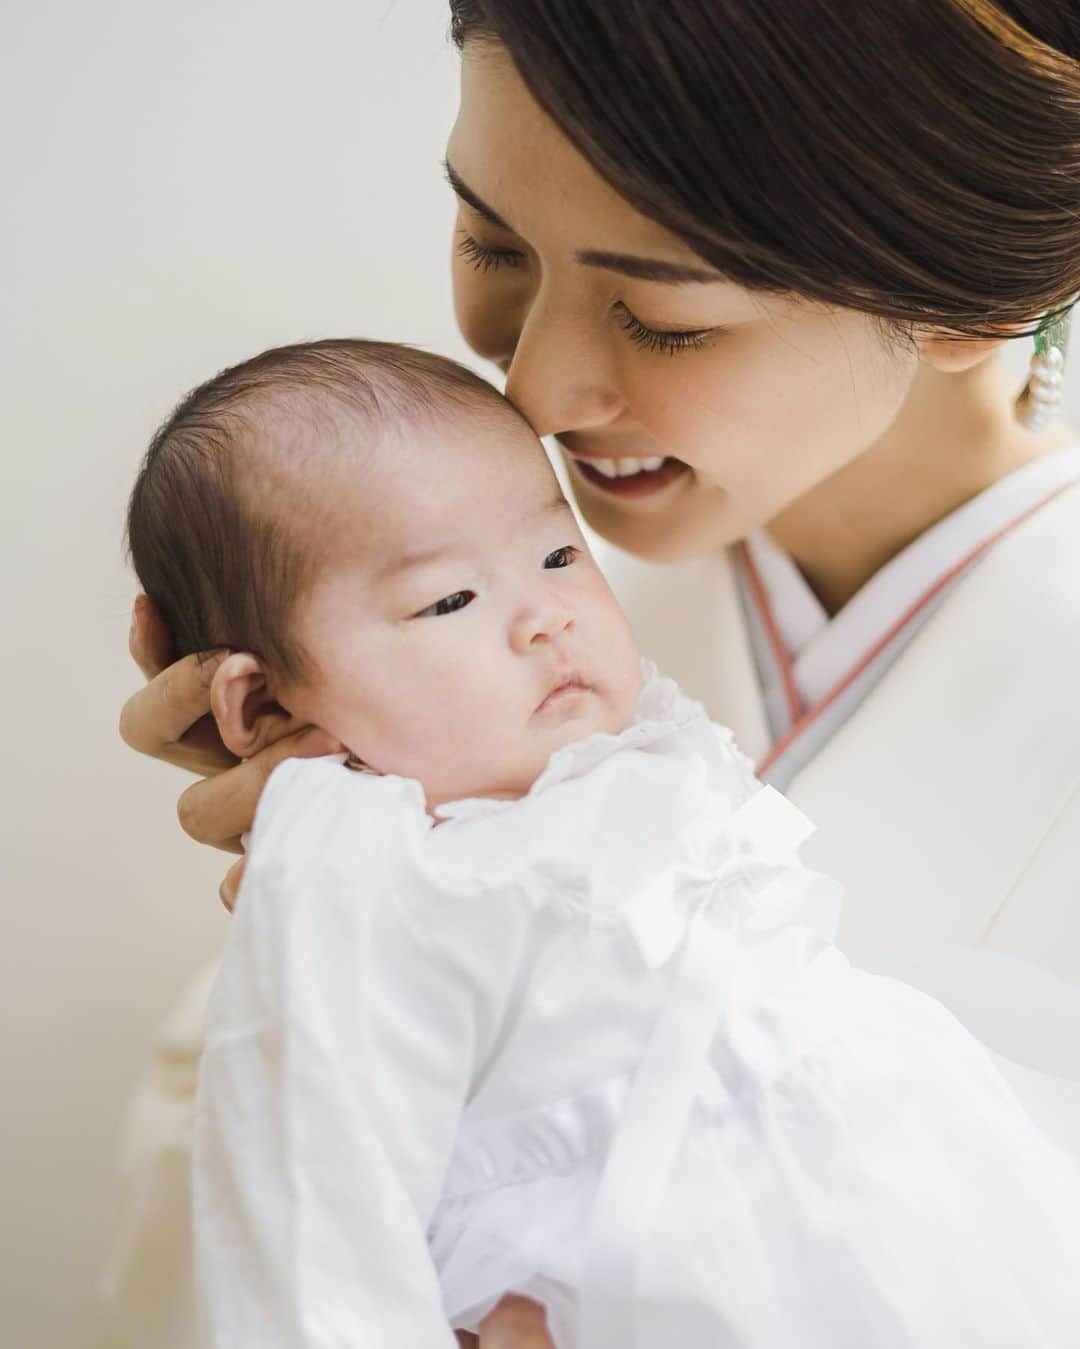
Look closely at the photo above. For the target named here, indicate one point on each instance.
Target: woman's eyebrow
(470, 198)
(648, 269)
(641, 269)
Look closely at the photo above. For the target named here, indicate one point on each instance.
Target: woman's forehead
(514, 157)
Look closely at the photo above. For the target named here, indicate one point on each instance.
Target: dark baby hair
(219, 523)
(916, 160)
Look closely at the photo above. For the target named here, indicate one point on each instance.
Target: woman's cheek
(486, 311)
(684, 410)
(470, 315)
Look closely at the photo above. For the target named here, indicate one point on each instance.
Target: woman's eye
(484, 259)
(563, 556)
(654, 339)
(448, 604)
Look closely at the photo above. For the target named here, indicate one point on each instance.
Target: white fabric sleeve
(338, 1054)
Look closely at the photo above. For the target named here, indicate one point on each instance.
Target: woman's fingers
(170, 718)
(231, 884)
(218, 810)
(149, 641)
(516, 1323)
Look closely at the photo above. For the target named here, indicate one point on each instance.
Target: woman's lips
(640, 484)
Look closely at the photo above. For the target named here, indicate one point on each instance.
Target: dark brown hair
(216, 529)
(918, 160)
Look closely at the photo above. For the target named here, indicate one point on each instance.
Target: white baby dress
(596, 1046)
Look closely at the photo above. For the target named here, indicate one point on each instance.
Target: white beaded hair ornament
(1043, 395)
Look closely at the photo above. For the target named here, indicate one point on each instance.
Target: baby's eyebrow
(557, 503)
(421, 557)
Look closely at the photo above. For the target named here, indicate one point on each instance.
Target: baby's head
(380, 540)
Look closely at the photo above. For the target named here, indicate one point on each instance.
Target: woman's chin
(698, 518)
(659, 541)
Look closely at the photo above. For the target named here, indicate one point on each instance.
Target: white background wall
(184, 185)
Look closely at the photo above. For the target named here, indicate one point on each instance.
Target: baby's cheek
(621, 708)
(625, 667)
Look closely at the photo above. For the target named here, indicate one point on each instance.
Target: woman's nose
(539, 621)
(560, 377)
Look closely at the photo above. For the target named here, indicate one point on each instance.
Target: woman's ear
(950, 354)
(248, 717)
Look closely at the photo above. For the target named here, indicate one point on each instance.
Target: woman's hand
(170, 719)
(516, 1323)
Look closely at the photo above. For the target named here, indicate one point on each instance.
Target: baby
(381, 539)
(542, 1001)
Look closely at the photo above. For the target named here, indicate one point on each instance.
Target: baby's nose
(540, 622)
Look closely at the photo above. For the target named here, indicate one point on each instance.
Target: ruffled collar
(662, 709)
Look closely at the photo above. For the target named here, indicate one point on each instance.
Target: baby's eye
(448, 604)
(563, 556)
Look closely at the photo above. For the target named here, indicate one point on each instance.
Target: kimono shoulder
(967, 760)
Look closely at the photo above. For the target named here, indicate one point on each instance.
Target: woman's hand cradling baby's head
(171, 719)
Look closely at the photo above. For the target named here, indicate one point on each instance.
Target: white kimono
(948, 802)
(967, 742)
(596, 1046)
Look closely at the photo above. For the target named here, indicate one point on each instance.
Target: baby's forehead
(420, 481)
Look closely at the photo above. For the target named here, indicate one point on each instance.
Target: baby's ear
(248, 717)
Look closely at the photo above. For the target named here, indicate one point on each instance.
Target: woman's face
(619, 341)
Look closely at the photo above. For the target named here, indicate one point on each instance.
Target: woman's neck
(954, 437)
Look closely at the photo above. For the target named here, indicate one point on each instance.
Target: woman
(778, 249)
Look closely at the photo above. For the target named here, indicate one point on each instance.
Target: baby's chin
(515, 780)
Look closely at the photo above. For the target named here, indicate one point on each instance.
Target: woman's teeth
(624, 468)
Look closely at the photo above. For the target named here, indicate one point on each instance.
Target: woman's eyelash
(654, 339)
(484, 259)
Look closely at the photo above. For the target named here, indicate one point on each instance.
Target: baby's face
(460, 630)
